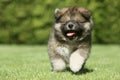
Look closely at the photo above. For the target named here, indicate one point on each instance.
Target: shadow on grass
(82, 71)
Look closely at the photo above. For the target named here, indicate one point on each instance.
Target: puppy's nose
(70, 25)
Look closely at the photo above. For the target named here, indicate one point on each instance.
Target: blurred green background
(30, 21)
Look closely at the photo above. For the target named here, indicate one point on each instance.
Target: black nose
(70, 25)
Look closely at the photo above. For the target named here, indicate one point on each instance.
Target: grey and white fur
(70, 39)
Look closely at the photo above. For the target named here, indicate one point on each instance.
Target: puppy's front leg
(58, 64)
(77, 59)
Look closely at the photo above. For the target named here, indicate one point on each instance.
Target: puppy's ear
(85, 13)
(57, 13)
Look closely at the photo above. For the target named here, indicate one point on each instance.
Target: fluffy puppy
(70, 38)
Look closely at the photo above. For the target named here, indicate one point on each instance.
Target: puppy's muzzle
(72, 29)
(70, 26)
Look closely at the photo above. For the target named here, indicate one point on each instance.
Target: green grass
(32, 63)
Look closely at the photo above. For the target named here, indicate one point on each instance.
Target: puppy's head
(72, 22)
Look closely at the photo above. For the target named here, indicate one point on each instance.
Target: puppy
(70, 38)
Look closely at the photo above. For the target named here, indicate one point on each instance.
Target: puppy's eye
(62, 22)
(82, 21)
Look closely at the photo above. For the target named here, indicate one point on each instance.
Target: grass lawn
(32, 63)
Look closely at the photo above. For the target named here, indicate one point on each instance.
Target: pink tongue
(71, 34)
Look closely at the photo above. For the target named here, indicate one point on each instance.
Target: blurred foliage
(30, 21)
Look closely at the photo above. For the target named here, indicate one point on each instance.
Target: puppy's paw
(58, 65)
(76, 62)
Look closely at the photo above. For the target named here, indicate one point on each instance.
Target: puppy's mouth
(71, 34)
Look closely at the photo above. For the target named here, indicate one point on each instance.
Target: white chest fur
(63, 52)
